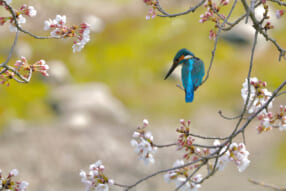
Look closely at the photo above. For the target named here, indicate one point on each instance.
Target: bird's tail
(189, 94)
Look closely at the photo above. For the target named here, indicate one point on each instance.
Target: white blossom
(236, 153)
(149, 136)
(95, 180)
(8, 1)
(145, 122)
(60, 20)
(258, 95)
(95, 165)
(78, 46)
(144, 149)
(55, 32)
(14, 172)
(23, 185)
(82, 174)
(20, 21)
(136, 134)
(282, 127)
(48, 24)
(223, 160)
(176, 176)
(32, 11)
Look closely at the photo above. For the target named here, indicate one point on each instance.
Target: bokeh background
(92, 102)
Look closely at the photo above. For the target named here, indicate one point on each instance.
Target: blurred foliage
(132, 57)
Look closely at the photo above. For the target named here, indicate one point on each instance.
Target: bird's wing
(187, 80)
(186, 73)
(198, 72)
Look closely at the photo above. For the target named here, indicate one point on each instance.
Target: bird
(193, 71)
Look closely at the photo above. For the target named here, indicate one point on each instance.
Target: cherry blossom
(95, 180)
(143, 143)
(80, 33)
(259, 95)
(270, 120)
(180, 175)
(10, 184)
(152, 11)
(236, 153)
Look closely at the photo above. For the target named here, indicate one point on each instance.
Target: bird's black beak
(175, 64)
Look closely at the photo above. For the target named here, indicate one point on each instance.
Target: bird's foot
(179, 86)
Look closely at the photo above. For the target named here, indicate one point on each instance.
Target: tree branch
(166, 14)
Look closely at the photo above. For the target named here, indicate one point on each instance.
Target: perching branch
(216, 41)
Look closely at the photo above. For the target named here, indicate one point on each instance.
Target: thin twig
(164, 146)
(22, 78)
(228, 118)
(160, 172)
(21, 29)
(216, 40)
(281, 93)
(279, 2)
(120, 185)
(208, 137)
(237, 21)
(165, 14)
(189, 177)
(257, 26)
(273, 187)
(248, 93)
(11, 50)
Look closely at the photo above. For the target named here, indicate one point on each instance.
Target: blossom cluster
(236, 153)
(185, 140)
(9, 184)
(80, 33)
(258, 96)
(180, 177)
(269, 120)
(266, 16)
(22, 66)
(152, 10)
(60, 30)
(39, 66)
(143, 143)
(24, 10)
(95, 180)
(212, 14)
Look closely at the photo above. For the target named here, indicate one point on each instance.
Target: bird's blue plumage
(187, 80)
(193, 71)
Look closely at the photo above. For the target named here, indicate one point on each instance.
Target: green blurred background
(131, 55)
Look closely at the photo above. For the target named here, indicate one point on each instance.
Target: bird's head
(180, 57)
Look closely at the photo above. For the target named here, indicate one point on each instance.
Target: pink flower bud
(182, 121)
(145, 122)
(279, 13)
(264, 84)
(45, 73)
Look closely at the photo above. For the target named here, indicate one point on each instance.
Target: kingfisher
(192, 73)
